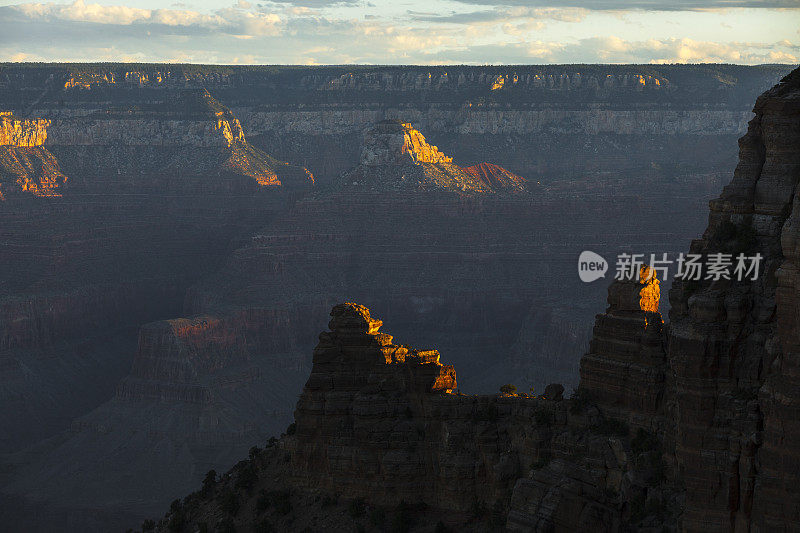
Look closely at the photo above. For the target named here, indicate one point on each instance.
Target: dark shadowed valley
(173, 238)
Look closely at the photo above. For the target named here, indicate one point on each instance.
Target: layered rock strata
(625, 368)
(381, 421)
(25, 165)
(544, 122)
(396, 157)
(731, 342)
(497, 178)
(684, 426)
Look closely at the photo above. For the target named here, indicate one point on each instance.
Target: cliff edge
(688, 425)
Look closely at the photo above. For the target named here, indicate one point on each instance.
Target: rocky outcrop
(687, 426)
(22, 133)
(776, 501)
(396, 157)
(497, 178)
(394, 143)
(33, 171)
(25, 165)
(382, 422)
(720, 388)
(730, 349)
(625, 368)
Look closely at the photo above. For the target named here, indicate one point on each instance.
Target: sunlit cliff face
(24, 163)
(651, 292)
(23, 133)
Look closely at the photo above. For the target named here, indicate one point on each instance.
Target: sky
(403, 31)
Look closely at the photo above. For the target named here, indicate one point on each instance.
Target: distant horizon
(421, 65)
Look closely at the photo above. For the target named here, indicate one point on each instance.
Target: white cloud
(248, 32)
(612, 49)
(647, 5)
(235, 20)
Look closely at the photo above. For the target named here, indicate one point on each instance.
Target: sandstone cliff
(25, 165)
(396, 157)
(732, 344)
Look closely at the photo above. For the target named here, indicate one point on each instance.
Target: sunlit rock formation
(187, 133)
(22, 133)
(625, 368)
(380, 422)
(25, 165)
(397, 157)
(391, 143)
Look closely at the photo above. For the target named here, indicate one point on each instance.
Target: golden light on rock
(498, 83)
(651, 291)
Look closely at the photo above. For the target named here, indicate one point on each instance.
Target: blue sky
(403, 31)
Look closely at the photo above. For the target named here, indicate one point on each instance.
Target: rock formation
(394, 143)
(625, 368)
(397, 157)
(22, 133)
(684, 426)
(732, 344)
(25, 165)
(169, 178)
(382, 423)
(497, 178)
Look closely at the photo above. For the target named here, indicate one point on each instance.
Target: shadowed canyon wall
(135, 194)
(681, 425)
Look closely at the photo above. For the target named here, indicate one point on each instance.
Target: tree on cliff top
(509, 389)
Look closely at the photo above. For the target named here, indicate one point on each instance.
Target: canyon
(171, 240)
(683, 425)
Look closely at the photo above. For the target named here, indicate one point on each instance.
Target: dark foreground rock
(688, 425)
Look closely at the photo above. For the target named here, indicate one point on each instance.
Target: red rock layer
(495, 177)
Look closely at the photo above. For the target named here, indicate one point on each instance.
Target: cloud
(649, 5)
(249, 32)
(234, 21)
(612, 49)
(316, 3)
(492, 16)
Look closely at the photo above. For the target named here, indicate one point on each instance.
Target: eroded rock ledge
(384, 423)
